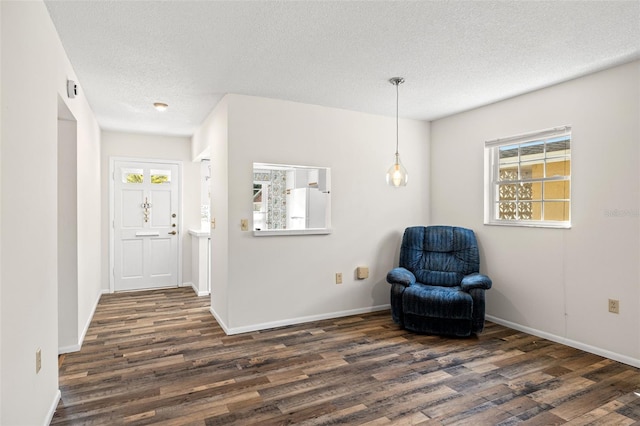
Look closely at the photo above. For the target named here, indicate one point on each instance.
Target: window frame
(492, 177)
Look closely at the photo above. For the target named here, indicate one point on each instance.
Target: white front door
(145, 225)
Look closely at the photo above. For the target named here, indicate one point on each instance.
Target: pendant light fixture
(397, 175)
(160, 106)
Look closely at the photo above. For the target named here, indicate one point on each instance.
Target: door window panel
(132, 176)
(160, 177)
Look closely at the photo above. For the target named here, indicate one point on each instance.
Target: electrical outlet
(38, 360)
(338, 277)
(614, 306)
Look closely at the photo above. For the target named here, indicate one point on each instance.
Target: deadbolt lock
(173, 215)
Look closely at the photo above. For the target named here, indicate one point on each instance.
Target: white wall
(87, 163)
(34, 70)
(200, 141)
(278, 280)
(556, 282)
(212, 138)
(89, 207)
(145, 146)
(1, 133)
(68, 328)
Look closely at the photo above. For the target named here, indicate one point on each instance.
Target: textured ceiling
(454, 55)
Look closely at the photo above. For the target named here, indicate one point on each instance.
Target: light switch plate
(244, 224)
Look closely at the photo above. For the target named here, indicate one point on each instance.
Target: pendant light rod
(397, 81)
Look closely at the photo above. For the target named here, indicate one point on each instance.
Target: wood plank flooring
(159, 357)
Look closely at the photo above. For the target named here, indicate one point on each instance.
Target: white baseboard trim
(195, 289)
(568, 342)
(294, 321)
(221, 323)
(69, 349)
(78, 346)
(52, 408)
(189, 284)
(93, 311)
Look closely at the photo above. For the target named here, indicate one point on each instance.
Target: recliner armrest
(401, 276)
(476, 281)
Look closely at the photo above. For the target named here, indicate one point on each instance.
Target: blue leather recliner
(437, 288)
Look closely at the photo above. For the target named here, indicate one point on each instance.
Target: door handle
(173, 232)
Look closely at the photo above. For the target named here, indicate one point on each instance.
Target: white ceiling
(454, 55)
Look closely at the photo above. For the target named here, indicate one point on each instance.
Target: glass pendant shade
(397, 175)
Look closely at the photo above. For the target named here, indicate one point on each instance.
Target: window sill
(285, 232)
(521, 224)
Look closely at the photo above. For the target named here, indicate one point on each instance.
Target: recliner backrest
(439, 255)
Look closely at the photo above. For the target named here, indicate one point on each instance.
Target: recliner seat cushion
(437, 302)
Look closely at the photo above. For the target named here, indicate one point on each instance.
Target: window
(528, 179)
(132, 176)
(160, 176)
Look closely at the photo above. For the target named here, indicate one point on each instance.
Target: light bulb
(397, 176)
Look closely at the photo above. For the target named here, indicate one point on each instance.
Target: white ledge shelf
(199, 232)
(286, 232)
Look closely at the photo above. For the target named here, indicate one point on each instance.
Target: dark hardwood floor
(159, 357)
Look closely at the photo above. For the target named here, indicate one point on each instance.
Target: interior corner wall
(201, 139)
(88, 200)
(287, 279)
(67, 188)
(29, 281)
(87, 164)
(33, 55)
(156, 147)
(212, 137)
(557, 282)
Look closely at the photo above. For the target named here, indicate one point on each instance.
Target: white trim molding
(294, 321)
(568, 342)
(69, 349)
(195, 289)
(52, 408)
(78, 346)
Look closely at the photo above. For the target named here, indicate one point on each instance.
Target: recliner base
(438, 326)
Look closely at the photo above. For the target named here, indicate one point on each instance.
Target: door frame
(112, 163)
